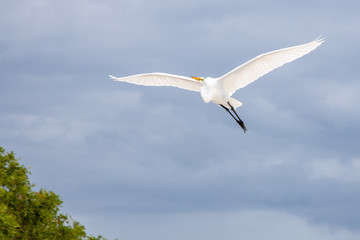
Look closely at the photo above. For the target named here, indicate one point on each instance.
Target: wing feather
(263, 64)
(161, 79)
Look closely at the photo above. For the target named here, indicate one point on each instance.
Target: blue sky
(133, 162)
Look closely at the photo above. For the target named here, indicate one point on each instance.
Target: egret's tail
(235, 103)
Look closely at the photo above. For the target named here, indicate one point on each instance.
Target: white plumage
(219, 90)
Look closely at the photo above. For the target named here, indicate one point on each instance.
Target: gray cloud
(132, 161)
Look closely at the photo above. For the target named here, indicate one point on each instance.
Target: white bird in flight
(219, 90)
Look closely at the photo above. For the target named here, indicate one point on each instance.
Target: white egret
(219, 90)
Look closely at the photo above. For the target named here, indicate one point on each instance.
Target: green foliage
(25, 214)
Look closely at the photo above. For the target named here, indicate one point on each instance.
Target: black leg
(228, 112)
(238, 120)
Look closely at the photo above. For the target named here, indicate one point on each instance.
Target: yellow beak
(197, 78)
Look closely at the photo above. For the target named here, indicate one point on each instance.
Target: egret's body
(219, 90)
(211, 92)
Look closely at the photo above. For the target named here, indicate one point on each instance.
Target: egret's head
(198, 78)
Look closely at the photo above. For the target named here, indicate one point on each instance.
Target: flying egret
(219, 90)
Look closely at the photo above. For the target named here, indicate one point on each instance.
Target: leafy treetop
(26, 214)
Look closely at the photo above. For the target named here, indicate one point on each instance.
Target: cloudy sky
(136, 163)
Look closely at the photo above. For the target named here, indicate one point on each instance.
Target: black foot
(242, 125)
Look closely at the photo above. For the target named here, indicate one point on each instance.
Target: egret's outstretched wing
(161, 79)
(264, 63)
